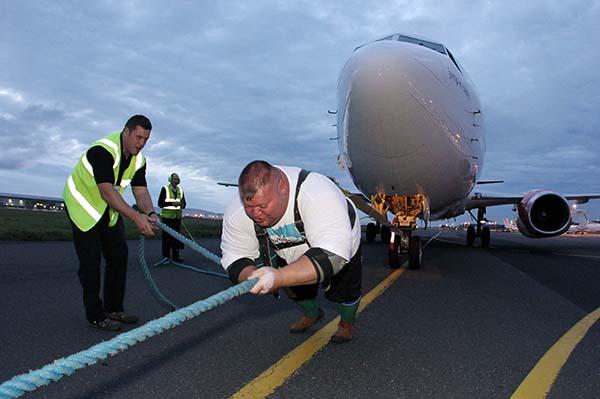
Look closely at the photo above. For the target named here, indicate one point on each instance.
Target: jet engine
(543, 213)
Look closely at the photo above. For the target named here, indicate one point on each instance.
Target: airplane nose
(384, 97)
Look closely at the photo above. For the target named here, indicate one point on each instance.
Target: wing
(581, 198)
(480, 200)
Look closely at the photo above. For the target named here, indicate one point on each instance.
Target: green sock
(310, 307)
(348, 311)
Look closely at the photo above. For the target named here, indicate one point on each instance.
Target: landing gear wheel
(470, 236)
(385, 234)
(394, 254)
(415, 253)
(371, 232)
(485, 237)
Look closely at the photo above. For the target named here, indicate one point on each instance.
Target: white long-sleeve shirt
(324, 212)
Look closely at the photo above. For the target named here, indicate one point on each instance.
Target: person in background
(172, 202)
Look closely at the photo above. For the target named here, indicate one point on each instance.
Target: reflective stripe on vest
(87, 164)
(82, 201)
(115, 148)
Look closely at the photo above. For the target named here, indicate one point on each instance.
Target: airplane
(411, 133)
(582, 225)
(510, 225)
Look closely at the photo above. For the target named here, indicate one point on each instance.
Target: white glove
(267, 278)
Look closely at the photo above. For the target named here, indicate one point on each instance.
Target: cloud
(11, 95)
(228, 82)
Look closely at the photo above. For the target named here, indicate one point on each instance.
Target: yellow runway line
(276, 375)
(539, 381)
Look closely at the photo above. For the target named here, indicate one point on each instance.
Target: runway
(471, 323)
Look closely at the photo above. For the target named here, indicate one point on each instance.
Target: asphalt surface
(470, 323)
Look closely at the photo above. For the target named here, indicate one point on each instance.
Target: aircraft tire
(371, 232)
(394, 255)
(415, 253)
(485, 237)
(470, 236)
(385, 234)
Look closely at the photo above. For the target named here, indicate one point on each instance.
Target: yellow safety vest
(81, 194)
(171, 211)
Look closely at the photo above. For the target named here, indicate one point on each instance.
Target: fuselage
(410, 122)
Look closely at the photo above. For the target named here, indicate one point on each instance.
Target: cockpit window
(434, 46)
(401, 38)
(390, 37)
(453, 60)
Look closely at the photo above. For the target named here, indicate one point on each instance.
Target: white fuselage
(410, 122)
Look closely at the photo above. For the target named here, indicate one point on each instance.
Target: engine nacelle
(543, 213)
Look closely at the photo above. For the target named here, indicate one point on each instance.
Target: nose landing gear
(405, 243)
(402, 241)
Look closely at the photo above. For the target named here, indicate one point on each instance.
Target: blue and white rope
(192, 244)
(27, 382)
(19, 385)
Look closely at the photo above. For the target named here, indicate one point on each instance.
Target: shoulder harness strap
(263, 236)
(297, 219)
(264, 244)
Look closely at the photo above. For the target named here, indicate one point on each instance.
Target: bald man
(307, 234)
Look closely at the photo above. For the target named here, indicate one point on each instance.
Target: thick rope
(200, 270)
(210, 273)
(192, 244)
(153, 287)
(19, 385)
(203, 251)
(189, 233)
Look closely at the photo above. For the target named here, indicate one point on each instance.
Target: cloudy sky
(228, 82)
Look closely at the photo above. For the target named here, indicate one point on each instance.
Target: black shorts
(345, 285)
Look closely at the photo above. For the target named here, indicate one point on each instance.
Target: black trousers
(345, 285)
(90, 247)
(171, 244)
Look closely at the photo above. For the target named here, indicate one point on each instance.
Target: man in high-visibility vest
(172, 202)
(94, 202)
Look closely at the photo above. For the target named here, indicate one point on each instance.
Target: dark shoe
(123, 317)
(305, 323)
(177, 259)
(106, 325)
(343, 333)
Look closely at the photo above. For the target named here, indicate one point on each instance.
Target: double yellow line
(276, 375)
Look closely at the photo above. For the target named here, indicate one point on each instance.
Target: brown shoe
(305, 323)
(343, 333)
